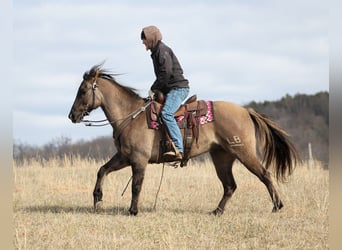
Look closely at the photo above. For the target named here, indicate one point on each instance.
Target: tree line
(100, 148)
(304, 117)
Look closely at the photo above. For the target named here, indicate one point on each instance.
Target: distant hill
(304, 117)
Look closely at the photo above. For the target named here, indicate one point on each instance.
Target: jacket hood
(153, 35)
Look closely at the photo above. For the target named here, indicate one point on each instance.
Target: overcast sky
(238, 51)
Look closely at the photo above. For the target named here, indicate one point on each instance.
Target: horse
(238, 133)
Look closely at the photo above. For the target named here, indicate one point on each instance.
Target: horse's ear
(97, 73)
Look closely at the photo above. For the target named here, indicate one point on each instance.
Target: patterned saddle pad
(202, 119)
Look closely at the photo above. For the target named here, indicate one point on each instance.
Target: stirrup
(173, 156)
(169, 153)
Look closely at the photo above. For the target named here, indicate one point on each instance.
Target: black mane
(105, 74)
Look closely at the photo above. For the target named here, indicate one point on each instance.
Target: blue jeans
(173, 100)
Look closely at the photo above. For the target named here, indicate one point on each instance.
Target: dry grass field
(52, 209)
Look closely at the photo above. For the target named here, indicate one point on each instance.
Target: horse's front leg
(138, 178)
(115, 163)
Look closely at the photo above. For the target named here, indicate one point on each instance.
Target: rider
(170, 81)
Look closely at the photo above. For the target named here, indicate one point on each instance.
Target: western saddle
(190, 112)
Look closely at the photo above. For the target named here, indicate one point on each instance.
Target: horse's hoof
(133, 212)
(217, 212)
(97, 206)
(277, 207)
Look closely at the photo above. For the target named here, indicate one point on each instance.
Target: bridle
(88, 108)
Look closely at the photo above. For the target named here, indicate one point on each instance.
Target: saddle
(187, 117)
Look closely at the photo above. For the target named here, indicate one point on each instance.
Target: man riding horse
(170, 81)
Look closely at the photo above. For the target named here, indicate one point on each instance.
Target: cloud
(230, 50)
(40, 128)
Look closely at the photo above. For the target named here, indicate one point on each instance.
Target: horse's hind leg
(253, 164)
(223, 162)
(115, 163)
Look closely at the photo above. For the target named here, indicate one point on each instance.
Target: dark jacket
(167, 69)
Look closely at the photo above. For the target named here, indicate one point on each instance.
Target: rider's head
(150, 36)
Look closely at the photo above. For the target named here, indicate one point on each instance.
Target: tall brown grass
(52, 204)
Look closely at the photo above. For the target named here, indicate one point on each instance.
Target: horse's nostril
(71, 116)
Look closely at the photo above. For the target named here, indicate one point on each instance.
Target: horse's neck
(117, 104)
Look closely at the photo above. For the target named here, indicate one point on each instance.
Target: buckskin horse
(235, 134)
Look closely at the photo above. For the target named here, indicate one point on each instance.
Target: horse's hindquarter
(231, 116)
(232, 125)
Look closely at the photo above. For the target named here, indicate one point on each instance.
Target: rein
(122, 125)
(90, 123)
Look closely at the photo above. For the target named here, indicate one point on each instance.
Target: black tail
(277, 145)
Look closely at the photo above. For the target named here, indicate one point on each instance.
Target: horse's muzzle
(73, 117)
(76, 116)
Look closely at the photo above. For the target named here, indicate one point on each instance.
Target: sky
(238, 51)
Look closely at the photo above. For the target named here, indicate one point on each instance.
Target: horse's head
(87, 98)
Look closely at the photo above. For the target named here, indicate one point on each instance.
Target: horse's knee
(229, 190)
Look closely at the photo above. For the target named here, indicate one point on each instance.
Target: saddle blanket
(208, 117)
